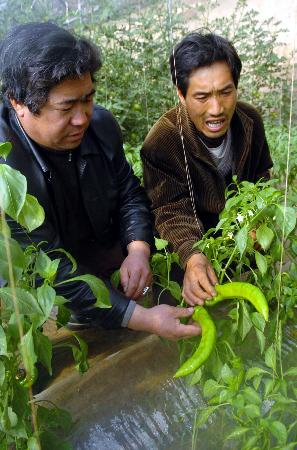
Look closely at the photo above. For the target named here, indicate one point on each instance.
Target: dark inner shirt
(76, 229)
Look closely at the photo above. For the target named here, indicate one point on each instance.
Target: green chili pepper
(246, 291)
(25, 379)
(206, 345)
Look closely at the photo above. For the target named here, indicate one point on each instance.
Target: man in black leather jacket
(72, 156)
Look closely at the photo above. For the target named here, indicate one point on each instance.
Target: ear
(19, 108)
(181, 97)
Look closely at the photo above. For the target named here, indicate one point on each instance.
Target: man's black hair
(35, 57)
(199, 50)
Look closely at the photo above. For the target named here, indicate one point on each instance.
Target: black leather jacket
(115, 203)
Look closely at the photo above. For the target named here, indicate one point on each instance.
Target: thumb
(184, 312)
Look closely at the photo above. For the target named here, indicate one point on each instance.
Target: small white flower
(250, 213)
(240, 217)
(274, 217)
(230, 235)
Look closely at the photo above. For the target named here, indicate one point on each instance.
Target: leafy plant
(255, 241)
(27, 296)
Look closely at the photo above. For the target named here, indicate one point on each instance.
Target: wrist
(139, 247)
(194, 259)
(141, 319)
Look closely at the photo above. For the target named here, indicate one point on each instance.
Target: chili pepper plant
(246, 378)
(28, 296)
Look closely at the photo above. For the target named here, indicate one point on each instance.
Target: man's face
(64, 118)
(210, 99)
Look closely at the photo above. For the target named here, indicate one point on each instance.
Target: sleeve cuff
(128, 313)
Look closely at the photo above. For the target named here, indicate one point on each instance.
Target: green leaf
(27, 304)
(46, 267)
(196, 377)
(175, 290)
(13, 188)
(160, 244)
(285, 217)
(210, 388)
(244, 323)
(253, 372)
(292, 372)
(251, 396)
(279, 431)
(46, 298)
(5, 149)
(63, 316)
(264, 236)
(50, 441)
(32, 444)
(2, 373)
(261, 263)
(237, 433)
(252, 411)
(261, 340)
(258, 320)
(4, 229)
(268, 386)
(28, 354)
(44, 350)
(3, 342)
(96, 285)
(31, 215)
(16, 260)
(68, 255)
(226, 374)
(115, 278)
(80, 354)
(270, 357)
(241, 239)
(204, 415)
(250, 443)
(13, 418)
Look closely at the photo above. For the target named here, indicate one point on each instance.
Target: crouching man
(72, 156)
(192, 152)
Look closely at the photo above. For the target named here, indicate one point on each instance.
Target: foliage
(27, 298)
(283, 142)
(255, 240)
(264, 80)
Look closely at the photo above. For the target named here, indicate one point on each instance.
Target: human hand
(164, 320)
(199, 280)
(135, 271)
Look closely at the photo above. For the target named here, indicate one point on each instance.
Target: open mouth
(215, 125)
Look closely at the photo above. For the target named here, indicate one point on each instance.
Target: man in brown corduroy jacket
(192, 152)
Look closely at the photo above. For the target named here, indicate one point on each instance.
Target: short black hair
(35, 57)
(201, 49)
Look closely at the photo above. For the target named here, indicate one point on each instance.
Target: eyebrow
(72, 100)
(228, 86)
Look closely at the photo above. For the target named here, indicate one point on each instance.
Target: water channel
(128, 400)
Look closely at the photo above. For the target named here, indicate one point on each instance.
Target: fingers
(132, 283)
(134, 280)
(199, 281)
(183, 312)
(212, 276)
(197, 289)
(188, 331)
(124, 278)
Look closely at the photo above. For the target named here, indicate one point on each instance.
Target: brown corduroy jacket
(165, 176)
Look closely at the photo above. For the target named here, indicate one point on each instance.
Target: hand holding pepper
(199, 280)
(164, 320)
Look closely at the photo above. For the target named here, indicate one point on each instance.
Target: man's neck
(211, 142)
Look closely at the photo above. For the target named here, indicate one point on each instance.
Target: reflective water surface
(128, 399)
